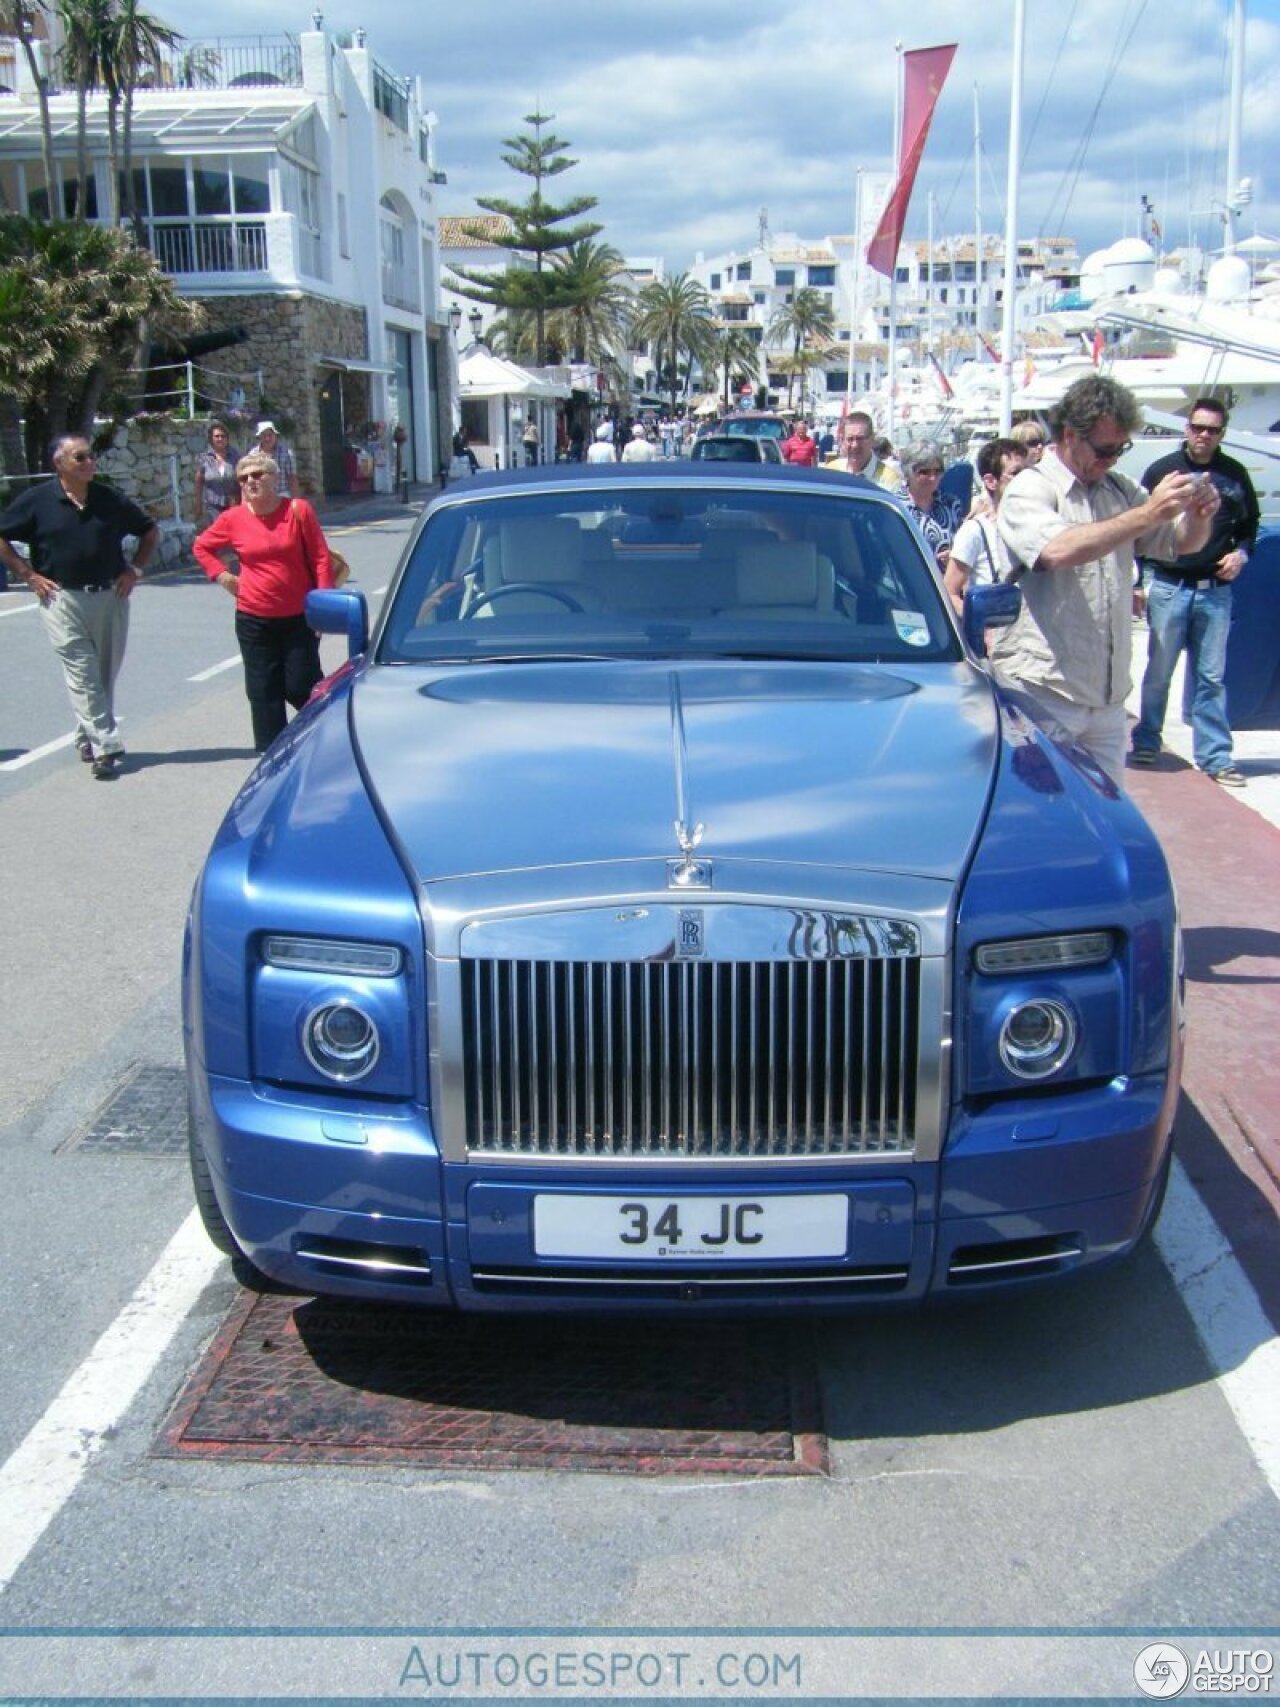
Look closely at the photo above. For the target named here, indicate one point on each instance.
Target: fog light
(1037, 1038)
(341, 1041)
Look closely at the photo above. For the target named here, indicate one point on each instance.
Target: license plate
(690, 1229)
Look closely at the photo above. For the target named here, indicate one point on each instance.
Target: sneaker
(84, 747)
(107, 766)
(1230, 777)
(1143, 757)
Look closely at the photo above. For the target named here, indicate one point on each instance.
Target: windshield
(638, 570)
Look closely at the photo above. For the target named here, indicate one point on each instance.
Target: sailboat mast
(893, 276)
(1233, 128)
(977, 225)
(1011, 220)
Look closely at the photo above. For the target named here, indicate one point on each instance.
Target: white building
(289, 185)
(945, 306)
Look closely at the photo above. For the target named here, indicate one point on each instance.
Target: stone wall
(284, 336)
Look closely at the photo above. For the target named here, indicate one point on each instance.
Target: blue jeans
(1182, 619)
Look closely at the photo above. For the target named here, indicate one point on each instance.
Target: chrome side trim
(367, 1265)
(1003, 1264)
(525, 1277)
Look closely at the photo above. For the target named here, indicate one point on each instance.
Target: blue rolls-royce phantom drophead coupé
(665, 907)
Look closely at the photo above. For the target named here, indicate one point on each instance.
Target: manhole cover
(331, 1382)
(146, 1116)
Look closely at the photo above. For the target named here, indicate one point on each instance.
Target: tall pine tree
(537, 229)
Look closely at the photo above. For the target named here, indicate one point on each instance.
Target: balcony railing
(209, 246)
(229, 62)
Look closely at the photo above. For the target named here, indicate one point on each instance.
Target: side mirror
(993, 606)
(334, 612)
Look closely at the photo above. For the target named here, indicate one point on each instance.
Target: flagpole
(893, 273)
(1011, 220)
(857, 287)
(977, 222)
(928, 295)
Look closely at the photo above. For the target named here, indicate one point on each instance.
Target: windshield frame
(705, 500)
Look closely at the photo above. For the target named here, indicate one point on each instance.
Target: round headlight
(341, 1041)
(1037, 1038)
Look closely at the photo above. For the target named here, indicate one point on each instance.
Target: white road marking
(216, 669)
(43, 1472)
(37, 753)
(1234, 1329)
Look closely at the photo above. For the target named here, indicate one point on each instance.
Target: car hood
(489, 768)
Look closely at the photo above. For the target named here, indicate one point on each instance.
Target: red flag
(924, 72)
(1099, 344)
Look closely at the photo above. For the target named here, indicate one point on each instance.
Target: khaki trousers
(88, 632)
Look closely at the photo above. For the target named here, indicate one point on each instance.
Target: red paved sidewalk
(1226, 864)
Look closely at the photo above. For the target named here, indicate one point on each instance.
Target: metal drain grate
(145, 1116)
(326, 1382)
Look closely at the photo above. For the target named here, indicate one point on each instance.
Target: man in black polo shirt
(75, 529)
(1189, 601)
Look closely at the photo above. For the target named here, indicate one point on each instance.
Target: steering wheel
(537, 587)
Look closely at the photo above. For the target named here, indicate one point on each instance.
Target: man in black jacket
(75, 527)
(1189, 601)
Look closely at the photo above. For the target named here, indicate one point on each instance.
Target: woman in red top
(282, 555)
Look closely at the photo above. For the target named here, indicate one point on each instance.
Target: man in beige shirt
(1073, 523)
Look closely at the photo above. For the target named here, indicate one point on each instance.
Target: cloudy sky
(688, 119)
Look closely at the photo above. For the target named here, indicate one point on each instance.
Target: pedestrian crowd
(1088, 547)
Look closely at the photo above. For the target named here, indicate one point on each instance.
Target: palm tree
(591, 322)
(18, 19)
(113, 44)
(809, 322)
(737, 358)
(675, 316)
(72, 301)
(136, 43)
(84, 29)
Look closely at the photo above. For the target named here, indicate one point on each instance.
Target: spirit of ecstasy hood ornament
(689, 873)
(685, 872)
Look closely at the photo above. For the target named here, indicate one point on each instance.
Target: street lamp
(455, 318)
(476, 321)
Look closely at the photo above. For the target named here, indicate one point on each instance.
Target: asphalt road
(1079, 1459)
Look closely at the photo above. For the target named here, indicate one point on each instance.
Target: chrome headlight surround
(332, 1013)
(1038, 1037)
(341, 1041)
(1045, 1011)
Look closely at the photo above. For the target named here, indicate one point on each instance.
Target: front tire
(247, 1273)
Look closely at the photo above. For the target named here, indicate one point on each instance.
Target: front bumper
(357, 1201)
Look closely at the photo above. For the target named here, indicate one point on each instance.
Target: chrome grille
(697, 1059)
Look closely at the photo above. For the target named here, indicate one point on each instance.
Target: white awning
(353, 364)
(482, 374)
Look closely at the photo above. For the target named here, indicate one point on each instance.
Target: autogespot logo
(1161, 1670)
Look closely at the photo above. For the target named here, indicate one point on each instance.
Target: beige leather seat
(786, 579)
(546, 550)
